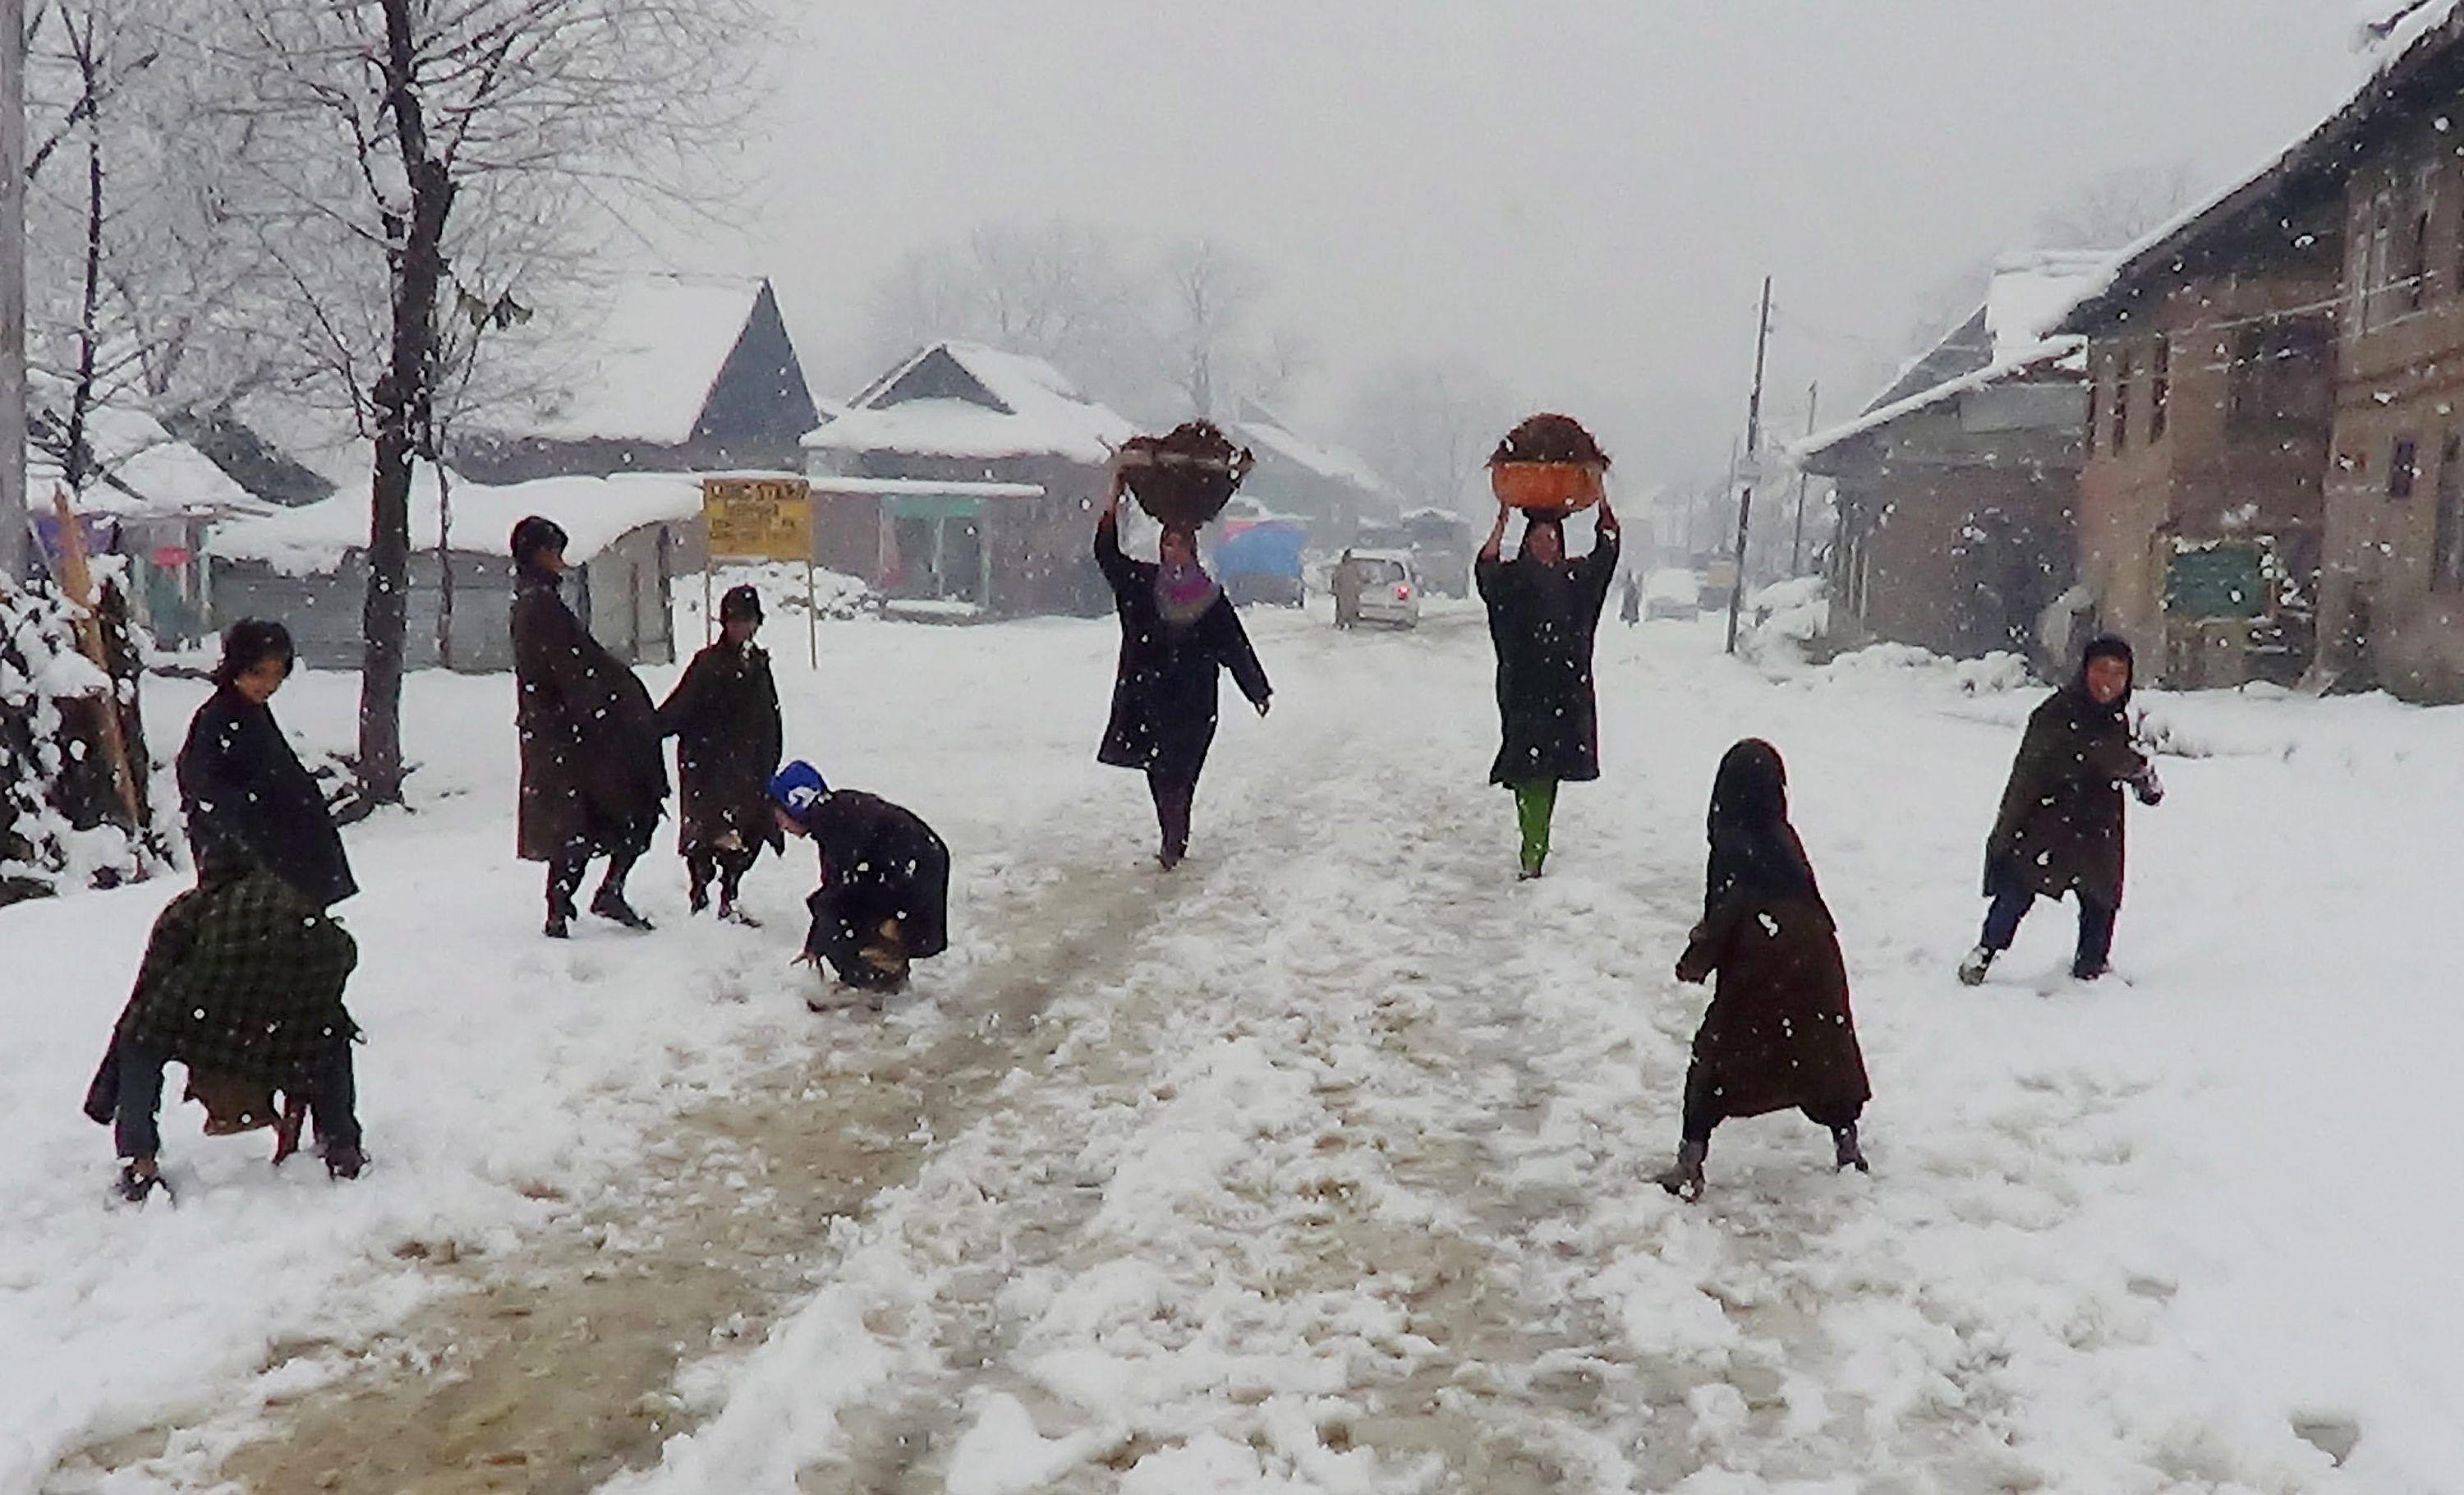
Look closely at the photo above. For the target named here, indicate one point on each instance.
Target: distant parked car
(1390, 587)
(1672, 593)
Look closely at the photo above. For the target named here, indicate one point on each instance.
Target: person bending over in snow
(1179, 634)
(724, 714)
(1778, 1033)
(594, 782)
(2060, 831)
(884, 902)
(1544, 614)
(242, 982)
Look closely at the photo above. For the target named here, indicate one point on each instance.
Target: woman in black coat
(250, 802)
(1179, 632)
(594, 782)
(2060, 829)
(724, 714)
(1778, 1035)
(1544, 613)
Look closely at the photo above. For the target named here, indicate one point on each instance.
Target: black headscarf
(2084, 706)
(1754, 850)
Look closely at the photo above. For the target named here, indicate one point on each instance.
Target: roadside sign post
(760, 518)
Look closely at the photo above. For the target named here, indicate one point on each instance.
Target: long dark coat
(250, 802)
(2060, 829)
(593, 778)
(1542, 621)
(1779, 1033)
(879, 861)
(1167, 687)
(724, 714)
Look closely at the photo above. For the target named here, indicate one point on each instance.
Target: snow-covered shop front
(964, 481)
(308, 567)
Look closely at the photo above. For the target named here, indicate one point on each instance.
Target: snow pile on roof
(1018, 406)
(146, 472)
(594, 512)
(639, 367)
(1264, 429)
(2032, 292)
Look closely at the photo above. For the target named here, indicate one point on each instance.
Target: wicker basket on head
(1184, 479)
(1549, 467)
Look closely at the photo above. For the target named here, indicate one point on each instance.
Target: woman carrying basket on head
(1544, 612)
(1178, 633)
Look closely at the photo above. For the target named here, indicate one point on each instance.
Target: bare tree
(1429, 428)
(429, 125)
(1212, 298)
(2120, 207)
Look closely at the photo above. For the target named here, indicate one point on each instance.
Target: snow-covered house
(1333, 491)
(1957, 486)
(966, 479)
(151, 499)
(308, 567)
(668, 373)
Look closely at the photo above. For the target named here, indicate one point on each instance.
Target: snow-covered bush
(61, 824)
(1783, 621)
(780, 583)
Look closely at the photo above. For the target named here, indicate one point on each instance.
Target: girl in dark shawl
(250, 802)
(1779, 1033)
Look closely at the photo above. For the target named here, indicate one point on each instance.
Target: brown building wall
(2389, 613)
(2242, 364)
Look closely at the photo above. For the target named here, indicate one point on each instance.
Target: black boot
(1684, 1177)
(1846, 1153)
(138, 1178)
(608, 903)
(559, 919)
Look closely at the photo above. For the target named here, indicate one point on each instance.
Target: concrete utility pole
(14, 536)
(1797, 546)
(1753, 460)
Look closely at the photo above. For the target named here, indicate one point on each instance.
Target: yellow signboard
(759, 519)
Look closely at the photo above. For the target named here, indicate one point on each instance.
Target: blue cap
(797, 787)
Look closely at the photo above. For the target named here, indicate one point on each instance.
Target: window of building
(2413, 243)
(2447, 549)
(2160, 388)
(2125, 373)
(2404, 465)
(2279, 372)
(2381, 259)
(2095, 406)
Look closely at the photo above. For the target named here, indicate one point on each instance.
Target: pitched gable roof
(639, 364)
(1261, 427)
(959, 399)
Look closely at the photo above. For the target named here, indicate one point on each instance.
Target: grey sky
(1578, 197)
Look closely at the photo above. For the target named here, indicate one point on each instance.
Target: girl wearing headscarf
(2060, 831)
(724, 714)
(250, 802)
(594, 782)
(1178, 633)
(1779, 1033)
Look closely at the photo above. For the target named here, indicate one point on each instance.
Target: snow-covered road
(1321, 1165)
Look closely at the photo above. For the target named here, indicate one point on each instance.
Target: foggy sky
(1578, 198)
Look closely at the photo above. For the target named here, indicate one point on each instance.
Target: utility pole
(1753, 458)
(1797, 546)
(14, 531)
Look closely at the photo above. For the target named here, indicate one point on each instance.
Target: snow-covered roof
(922, 487)
(594, 512)
(638, 365)
(2032, 292)
(1261, 427)
(147, 473)
(962, 399)
(2397, 39)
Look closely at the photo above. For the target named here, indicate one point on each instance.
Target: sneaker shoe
(610, 905)
(730, 913)
(344, 1163)
(1971, 970)
(137, 1181)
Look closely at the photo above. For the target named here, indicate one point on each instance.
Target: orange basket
(1552, 487)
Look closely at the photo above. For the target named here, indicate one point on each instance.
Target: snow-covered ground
(1322, 1165)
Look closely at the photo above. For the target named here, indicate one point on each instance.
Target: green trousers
(1536, 803)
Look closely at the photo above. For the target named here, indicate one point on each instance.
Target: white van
(1390, 588)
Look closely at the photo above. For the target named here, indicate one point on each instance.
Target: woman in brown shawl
(724, 714)
(1779, 1033)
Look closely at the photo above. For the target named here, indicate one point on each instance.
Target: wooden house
(1333, 492)
(1956, 490)
(965, 482)
(665, 373)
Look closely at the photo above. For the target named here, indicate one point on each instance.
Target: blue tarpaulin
(1260, 549)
